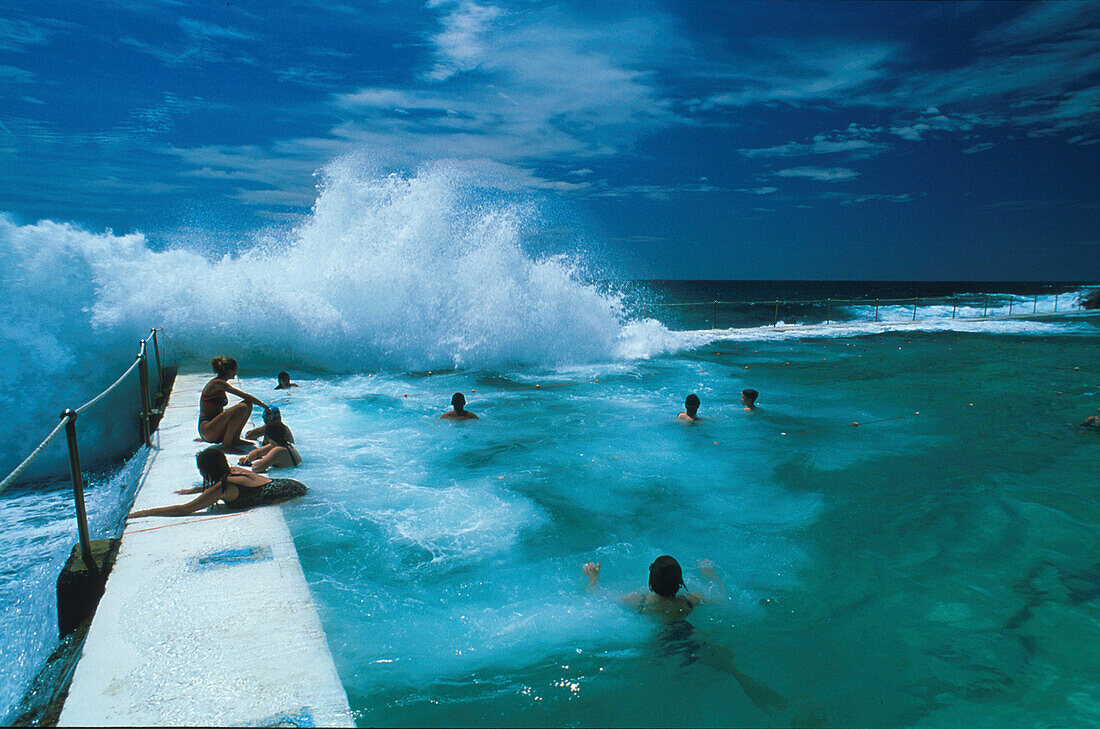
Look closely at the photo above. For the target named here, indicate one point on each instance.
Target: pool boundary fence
(1017, 308)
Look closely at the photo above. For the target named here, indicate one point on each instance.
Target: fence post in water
(69, 416)
(828, 310)
(1034, 303)
(954, 303)
(775, 321)
(715, 314)
(915, 300)
(1056, 303)
(143, 377)
(985, 305)
(1010, 306)
(876, 310)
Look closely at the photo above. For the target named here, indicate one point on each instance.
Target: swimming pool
(918, 569)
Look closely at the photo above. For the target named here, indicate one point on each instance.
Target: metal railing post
(143, 377)
(828, 310)
(715, 314)
(985, 305)
(1056, 303)
(1034, 303)
(78, 493)
(876, 309)
(775, 321)
(1010, 306)
(156, 353)
(916, 300)
(954, 303)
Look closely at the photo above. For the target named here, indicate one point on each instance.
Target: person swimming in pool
(278, 451)
(270, 416)
(284, 382)
(691, 410)
(1091, 421)
(679, 637)
(748, 399)
(238, 487)
(458, 402)
(221, 424)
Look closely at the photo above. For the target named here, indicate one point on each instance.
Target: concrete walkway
(207, 619)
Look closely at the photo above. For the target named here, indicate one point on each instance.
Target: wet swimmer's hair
(749, 395)
(223, 365)
(691, 404)
(283, 376)
(213, 466)
(665, 576)
(458, 400)
(275, 431)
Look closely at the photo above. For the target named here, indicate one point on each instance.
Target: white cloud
(1043, 20)
(980, 147)
(855, 141)
(459, 47)
(550, 88)
(931, 121)
(820, 174)
(14, 75)
(779, 71)
(15, 35)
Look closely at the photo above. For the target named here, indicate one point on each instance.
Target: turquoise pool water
(936, 565)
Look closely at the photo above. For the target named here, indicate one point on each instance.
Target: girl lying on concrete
(238, 487)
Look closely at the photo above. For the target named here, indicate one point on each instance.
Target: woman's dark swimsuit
(277, 489)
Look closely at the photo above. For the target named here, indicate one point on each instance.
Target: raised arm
(204, 500)
(592, 569)
(245, 396)
(707, 570)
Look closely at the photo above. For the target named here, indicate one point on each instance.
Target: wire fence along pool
(718, 314)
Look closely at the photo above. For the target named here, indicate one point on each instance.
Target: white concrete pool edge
(206, 619)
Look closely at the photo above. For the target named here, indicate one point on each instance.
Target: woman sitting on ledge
(278, 453)
(238, 487)
(217, 423)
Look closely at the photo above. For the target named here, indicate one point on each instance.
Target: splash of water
(418, 271)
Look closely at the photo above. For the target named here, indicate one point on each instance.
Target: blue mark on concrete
(228, 557)
(300, 718)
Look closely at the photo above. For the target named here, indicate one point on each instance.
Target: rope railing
(68, 423)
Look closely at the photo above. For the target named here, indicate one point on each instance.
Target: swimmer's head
(272, 415)
(212, 465)
(224, 366)
(458, 400)
(275, 431)
(665, 576)
(284, 378)
(691, 403)
(748, 397)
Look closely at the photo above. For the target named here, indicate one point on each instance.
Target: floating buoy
(856, 424)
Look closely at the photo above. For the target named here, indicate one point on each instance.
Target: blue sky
(700, 140)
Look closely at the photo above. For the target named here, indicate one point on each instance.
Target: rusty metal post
(143, 377)
(69, 416)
